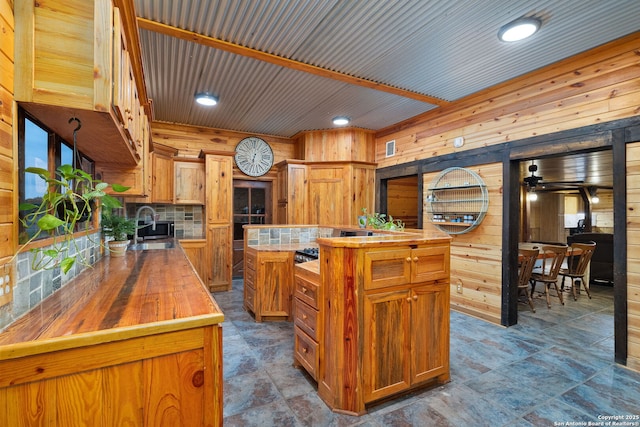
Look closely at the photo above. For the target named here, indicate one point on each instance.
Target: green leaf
(37, 171)
(49, 222)
(52, 253)
(101, 186)
(110, 202)
(119, 188)
(27, 206)
(66, 264)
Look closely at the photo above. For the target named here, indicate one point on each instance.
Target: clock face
(254, 156)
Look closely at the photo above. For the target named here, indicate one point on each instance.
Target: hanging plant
(71, 198)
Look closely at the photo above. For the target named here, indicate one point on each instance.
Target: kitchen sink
(147, 246)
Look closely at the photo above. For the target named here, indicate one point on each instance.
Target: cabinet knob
(304, 317)
(304, 290)
(409, 299)
(408, 259)
(304, 350)
(415, 259)
(415, 297)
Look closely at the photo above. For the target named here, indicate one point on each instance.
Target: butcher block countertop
(141, 294)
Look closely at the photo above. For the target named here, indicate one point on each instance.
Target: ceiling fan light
(519, 29)
(206, 99)
(532, 196)
(341, 120)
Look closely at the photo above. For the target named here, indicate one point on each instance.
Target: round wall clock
(254, 156)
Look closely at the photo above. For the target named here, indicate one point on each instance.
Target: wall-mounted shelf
(457, 200)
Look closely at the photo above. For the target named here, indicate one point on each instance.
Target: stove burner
(306, 254)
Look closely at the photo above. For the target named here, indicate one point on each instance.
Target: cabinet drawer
(306, 318)
(250, 277)
(250, 298)
(306, 352)
(430, 263)
(306, 291)
(249, 261)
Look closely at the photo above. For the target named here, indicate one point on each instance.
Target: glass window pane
(240, 200)
(36, 154)
(66, 155)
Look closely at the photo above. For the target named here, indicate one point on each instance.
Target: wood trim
(237, 49)
(130, 26)
(620, 301)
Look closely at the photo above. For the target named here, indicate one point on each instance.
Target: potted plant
(118, 228)
(380, 221)
(71, 198)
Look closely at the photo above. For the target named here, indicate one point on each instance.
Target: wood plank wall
(633, 255)
(597, 86)
(8, 158)
(350, 144)
(402, 200)
(476, 264)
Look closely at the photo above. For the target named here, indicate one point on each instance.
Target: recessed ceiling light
(205, 98)
(341, 120)
(519, 29)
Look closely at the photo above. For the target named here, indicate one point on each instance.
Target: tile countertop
(141, 294)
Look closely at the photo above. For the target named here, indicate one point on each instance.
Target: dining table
(541, 255)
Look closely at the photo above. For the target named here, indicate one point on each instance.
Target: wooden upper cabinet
(162, 177)
(189, 182)
(292, 193)
(70, 57)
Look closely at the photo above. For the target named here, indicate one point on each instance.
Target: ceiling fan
(531, 182)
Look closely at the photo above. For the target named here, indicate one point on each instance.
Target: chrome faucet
(153, 220)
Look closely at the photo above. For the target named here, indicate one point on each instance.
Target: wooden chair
(576, 268)
(553, 255)
(527, 258)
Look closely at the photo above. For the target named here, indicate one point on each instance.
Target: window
(42, 148)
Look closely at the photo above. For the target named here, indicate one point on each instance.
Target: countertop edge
(86, 339)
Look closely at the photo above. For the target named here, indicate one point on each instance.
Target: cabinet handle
(304, 290)
(304, 317)
(408, 299)
(415, 297)
(408, 259)
(304, 349)
(415, 259)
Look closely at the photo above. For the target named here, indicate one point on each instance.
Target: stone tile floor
(556, 367)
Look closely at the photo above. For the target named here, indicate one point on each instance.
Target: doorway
(251, 205)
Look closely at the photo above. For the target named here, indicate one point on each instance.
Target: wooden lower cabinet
(167, 379)
(385, 322)
(306, 317)
(409, 330)
(195, 250)
(268, 280)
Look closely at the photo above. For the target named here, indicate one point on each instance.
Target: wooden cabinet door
(327, 193)
(274, 283)
(162, 179)
(296, 203)
(384, 268)
(430, 331)
(387, 344)
(189, 182)
(430, 263)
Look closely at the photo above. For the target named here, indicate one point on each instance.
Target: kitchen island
(132, 341)
(371, 315)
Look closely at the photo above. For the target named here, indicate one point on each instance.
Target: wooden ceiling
(568, 172)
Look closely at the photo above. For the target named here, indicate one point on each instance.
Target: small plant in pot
(118, 228)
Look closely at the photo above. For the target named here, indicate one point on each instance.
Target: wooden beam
(215, 43)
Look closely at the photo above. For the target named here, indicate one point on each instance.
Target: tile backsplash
(188, 219)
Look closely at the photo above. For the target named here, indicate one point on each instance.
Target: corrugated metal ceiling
(442, 48)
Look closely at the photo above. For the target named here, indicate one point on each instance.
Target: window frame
(55, 144)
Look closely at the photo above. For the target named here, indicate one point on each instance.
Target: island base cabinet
(268, 278)
(174, 378)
